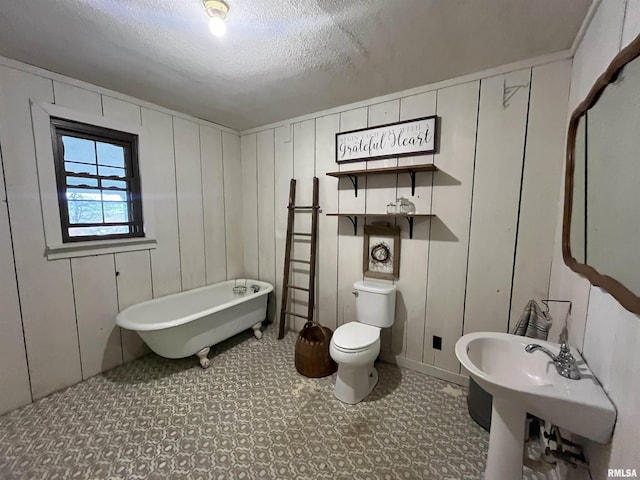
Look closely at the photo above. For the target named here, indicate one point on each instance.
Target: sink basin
(499, 363)
(522, 383)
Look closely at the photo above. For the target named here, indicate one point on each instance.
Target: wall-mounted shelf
(410, 169)
(354, 218)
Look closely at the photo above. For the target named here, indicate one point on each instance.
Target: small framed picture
(381, 251)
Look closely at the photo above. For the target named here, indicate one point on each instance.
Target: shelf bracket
(354, 181)
(412, 174)
(354, 222)
(410, 220)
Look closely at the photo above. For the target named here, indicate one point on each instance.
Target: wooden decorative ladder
(286, 286)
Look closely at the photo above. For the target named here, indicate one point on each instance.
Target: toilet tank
(375, 303)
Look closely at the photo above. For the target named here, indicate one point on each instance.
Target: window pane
(114, 196)
(98, 181)
(116, 212)
(111, 171)
(94, 231)
(109, 154)
(83, 194)
(114, 183)
(87, 182)
(79, 168)
(79, 149)
(81, 211)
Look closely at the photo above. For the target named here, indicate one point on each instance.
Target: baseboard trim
(436, 372)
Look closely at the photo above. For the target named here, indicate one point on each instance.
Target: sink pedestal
(506, 441)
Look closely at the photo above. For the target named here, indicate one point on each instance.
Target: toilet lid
(355, 336)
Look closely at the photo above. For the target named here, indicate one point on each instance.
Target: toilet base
(355, 383)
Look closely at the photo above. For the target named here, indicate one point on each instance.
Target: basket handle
(312, 323)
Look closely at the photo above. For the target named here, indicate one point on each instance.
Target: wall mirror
(601, 227)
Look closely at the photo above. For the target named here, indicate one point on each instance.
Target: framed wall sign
(381, 252)
(400, 139)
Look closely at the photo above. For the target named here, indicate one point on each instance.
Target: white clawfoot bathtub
(188, 323)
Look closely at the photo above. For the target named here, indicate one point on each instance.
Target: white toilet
(356, 345)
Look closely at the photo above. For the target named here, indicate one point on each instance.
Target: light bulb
(217, 26)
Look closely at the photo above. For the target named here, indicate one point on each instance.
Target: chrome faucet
(565, 362)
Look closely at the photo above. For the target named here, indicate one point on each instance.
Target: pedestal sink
(522, 383)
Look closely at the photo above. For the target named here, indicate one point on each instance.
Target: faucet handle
(566, 363)
(565, 352)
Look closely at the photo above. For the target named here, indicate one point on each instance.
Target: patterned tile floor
(249, 416)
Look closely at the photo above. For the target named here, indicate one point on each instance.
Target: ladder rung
(296, 315)
(308, 262)
(302, 234)
(298, 288)
(302, 207)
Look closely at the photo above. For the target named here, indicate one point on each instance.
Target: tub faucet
(255, 288)
(565, 362)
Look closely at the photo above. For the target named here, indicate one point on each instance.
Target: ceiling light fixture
(217, 11)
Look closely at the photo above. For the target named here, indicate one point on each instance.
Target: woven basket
(312, 351)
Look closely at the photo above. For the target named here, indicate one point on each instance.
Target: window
(98, 182)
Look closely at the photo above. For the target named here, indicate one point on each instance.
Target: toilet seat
(355, 337)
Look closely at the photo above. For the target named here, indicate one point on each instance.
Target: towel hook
(546, 303)
(509, 92)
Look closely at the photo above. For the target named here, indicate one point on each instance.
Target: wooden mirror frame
(622, 294)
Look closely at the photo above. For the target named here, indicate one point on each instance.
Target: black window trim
(129, 141)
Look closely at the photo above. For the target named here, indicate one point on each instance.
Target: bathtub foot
(202, 355)
(256, 330)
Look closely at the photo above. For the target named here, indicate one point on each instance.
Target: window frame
(64, 127)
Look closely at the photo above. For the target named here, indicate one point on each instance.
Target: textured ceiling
(279, 59)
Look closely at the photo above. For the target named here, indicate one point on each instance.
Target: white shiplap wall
(599, 326)
(57, 317)
(468, 269)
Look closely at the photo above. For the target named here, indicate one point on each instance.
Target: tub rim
(124, 322)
